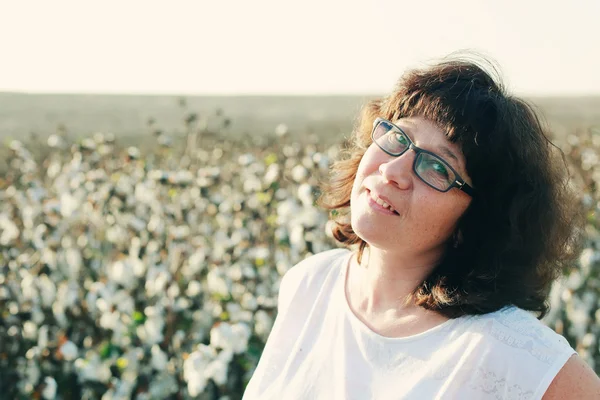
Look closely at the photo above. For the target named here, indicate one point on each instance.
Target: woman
(459, 218)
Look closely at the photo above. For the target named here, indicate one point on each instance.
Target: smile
(383, 205)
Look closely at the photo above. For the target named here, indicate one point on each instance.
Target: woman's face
(423, 218)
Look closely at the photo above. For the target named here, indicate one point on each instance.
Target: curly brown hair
(521, 228)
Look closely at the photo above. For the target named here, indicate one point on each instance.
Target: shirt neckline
(364, 328)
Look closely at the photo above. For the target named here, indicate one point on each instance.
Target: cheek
(369, 163)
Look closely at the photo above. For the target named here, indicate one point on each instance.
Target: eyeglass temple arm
(465, 188)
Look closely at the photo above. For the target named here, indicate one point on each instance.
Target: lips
(382, 201)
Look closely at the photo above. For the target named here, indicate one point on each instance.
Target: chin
(365, 228)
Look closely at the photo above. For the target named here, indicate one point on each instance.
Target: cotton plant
(157, 274)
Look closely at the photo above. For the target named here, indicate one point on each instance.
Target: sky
(290, 47)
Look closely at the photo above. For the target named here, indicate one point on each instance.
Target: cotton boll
(159, 358)
(120, 272)
(196, 263)
(69, 350)
(246, 159)
(28, 288)
(249, 301)
(74, 262)
(29, 330)
(297, 238)
(153, 328)
(305, 194)
(263, 323)
(272, 174)
(92, 369)
(124, 302)
(299, 173)
(233, 337)
(252, 184)
(309, 217)
(219, 367)
(49, 391)
(68, 205)
(109, 320)
(194, 368)
(194, 288)
(217, 283)
(43, 337)
(286, 210)
(9, 231)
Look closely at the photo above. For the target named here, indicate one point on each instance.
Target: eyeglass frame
(458, 183)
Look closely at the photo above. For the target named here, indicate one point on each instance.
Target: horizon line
(258, 94)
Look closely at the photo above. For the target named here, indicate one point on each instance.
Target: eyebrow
(449, 153)
(444, 149)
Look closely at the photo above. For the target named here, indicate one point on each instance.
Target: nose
(399, 170)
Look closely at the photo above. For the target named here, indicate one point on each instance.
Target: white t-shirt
(318, 349)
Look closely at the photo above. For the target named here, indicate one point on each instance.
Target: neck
(386, 279)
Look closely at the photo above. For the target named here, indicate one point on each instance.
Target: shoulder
(522, 348)
(316, 264)
(520, 329)
(309, 274)
(575, 380)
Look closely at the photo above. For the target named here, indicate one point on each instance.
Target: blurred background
(160, 164)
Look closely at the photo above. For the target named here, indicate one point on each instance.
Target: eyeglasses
(430, 168)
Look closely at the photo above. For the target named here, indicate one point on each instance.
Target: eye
(436, 166)
(440, 168)
(400, 138)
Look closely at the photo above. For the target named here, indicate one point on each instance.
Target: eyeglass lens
(431, 169)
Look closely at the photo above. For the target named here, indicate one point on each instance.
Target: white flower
(69, 350)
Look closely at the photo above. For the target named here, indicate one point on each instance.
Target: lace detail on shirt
(497, 388)
(515, 328)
